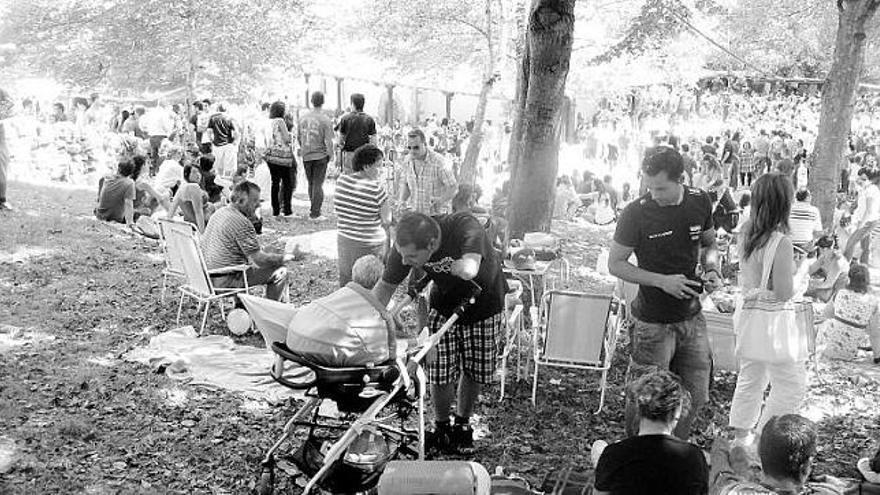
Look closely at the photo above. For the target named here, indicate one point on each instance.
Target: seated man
(787, 449)
(192, 199)
(230, 239)
(654, 461)
(116, 196)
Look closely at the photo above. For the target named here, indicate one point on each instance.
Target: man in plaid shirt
(428, 182)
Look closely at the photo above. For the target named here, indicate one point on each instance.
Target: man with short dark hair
(116, 196)
(787, 450)
(356, 129)
(428, 184)
(669, 229)
(453, 250)
(230, 239)
(804, 221)
(315, 136)
(224, 145)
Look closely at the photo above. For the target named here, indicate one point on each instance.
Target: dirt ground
(76, 294)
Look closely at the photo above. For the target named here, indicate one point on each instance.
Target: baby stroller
(348, 453)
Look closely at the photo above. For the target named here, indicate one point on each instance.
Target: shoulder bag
(768, 330)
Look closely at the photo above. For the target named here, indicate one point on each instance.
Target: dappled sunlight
(174, 397)
(255, 406)
(27, 253)
(106, 360)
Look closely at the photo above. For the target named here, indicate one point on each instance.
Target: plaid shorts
(473, 348)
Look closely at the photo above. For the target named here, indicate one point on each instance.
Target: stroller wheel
(266, 484)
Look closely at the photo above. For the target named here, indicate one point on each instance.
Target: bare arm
(128, 211)
(467, 267)
(676, 285)
(709, 251)
(782, 272)
(385, 213)
(262, 258)
(199, 209)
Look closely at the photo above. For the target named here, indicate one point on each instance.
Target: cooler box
(722, 340)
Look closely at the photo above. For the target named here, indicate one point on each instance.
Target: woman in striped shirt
(363, 212)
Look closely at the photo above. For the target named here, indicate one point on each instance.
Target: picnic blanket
(213, 361)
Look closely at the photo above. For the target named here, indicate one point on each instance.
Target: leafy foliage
(156, 44)
(657, 22)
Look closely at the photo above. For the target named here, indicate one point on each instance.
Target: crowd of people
(737, 164)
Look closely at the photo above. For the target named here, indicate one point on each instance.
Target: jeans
(862, 237)
(4, 170)
(349, 251)
(788, 385)
(682, 348)
(273, 277)
(155, 143)
(283, 184)
(316, 170)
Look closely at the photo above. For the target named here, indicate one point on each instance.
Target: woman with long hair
(853, 312)
(279, 157)
(765, 237)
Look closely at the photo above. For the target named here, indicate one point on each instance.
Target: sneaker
(5, 206)
(440, 440)
(319, 218)
(463, 437)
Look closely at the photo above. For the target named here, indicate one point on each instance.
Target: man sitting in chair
(453, 250)
(230, 239)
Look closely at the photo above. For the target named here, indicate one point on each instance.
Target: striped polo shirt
(358, 202)
(229, 239)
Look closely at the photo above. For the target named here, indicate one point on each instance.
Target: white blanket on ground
(214, 361)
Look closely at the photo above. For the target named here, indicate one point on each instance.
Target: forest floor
(77, 294)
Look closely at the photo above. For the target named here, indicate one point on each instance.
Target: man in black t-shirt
(355, 130)
(669, 229)
(453, 250)
(223, 140)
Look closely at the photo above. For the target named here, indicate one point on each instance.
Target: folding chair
(184, 246)
(577, 331)
(173, 265)
(514, 329)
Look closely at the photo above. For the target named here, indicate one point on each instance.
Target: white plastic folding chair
(577, 330)
(184, 246)
(173, 264)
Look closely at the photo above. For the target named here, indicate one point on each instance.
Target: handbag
(279, 153)
(768, 330)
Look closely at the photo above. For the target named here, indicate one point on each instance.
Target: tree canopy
(153, 44)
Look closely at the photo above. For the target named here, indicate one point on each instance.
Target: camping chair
(184, 246)
(173, 265)
(577, 331)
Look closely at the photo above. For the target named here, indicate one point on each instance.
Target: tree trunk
(550, 35)
(838, 96)
(468, 174)
(514, 152)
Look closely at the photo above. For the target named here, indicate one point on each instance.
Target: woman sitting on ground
(852, 313)
(828, 271)
(654, 461)
(192, 199)
(567, 200)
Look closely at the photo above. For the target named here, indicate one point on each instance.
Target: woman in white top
(851, 314)
(866, 216)
(767, 228)
(192, 199)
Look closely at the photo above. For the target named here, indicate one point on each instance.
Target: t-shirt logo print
(441, 266)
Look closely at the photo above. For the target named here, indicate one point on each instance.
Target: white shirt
(169, 174)
(158, 122)
(867, 206)
(804, 220)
